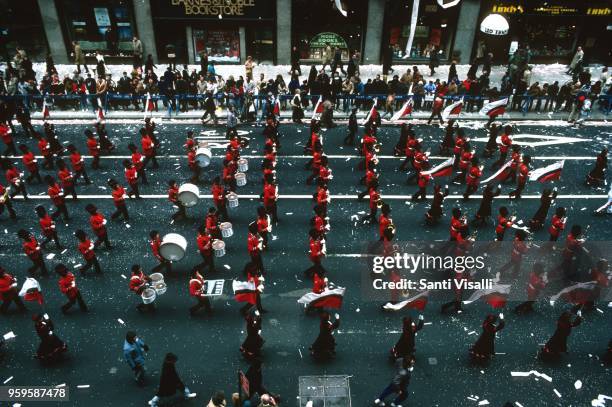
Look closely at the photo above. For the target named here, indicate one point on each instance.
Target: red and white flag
(318, 109)
(149, 106)
(245, 291)
(577, 293)
(494, 109)
(327, 299)
(452, 111)
(551, 172)
(501, 174)
(444, 169)
(276, 109)
(418, 301)
(45, 110)
(100, 115)
(372, 114)
(406, 110)
(31, 291)
(496, 296)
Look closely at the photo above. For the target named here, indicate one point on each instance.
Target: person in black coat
(405, 346)
(546, 200)
(295, 61)
(387, 60)
(484, 347)
(434, 61)
(352, 128)
(484, 211)
(251, 347)
(324, 347)
(452, 72)
(435, 212)
(51, 346)
(557, 344)
(169, 381)
(597, 175)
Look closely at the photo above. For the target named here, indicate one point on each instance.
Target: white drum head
(188, 194)
(203, 157)
(173, 247)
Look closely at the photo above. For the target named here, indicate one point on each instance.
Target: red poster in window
(435, 36)
(394, 35)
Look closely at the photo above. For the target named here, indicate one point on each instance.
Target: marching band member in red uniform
(322, 196)
(537, 282)
(316, 253)
(47, 225)
(138, 162)
(229, 174)
(460, 141)
(519, 248)
(557, 224)
(374, 201)
(420, 163)
(197, 289)
(504, 146)
(204, 242)
(9, 292)
(45, 151)
(131, 176)
(78, 166)
(138, 283)
(573, 249)
(219, 198)
(66, 177)
(253, 274)
(504, 221)
(148, 147)
(31, 163)
(68, 287)
(189, 142)
(7, 138)
(119, 195)
(270, 198)
(212, 224)
(86, 247)
(173, 190)
(98, 226)
(5, 201)
(523, 176)
(32, 249)
(464, 164)
(155, 243)
(473, 178)
(516, 158)
(316, 162)
(422, 182)
(384, 221)
(14, 178)
(412, 146)
(193, 165)
(56, 193)
(458, 226)
(93, 146)
(254, 246)
(263, 226)
(320, 221)
(370, 177)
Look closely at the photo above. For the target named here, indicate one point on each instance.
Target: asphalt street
(207, 346)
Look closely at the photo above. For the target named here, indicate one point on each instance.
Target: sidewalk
(286, 115)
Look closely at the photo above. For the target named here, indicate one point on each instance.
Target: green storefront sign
(321, 40)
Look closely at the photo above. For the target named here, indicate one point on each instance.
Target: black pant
(203, 302)
(81, 173)
(95, 164)
(143, 175)
(350, 138)
(258, 261)
(420, 194)
(79, 67)
(34, 174)
(524, 307)
(435, 114)
(121, 211)
(134, 191)
(372, 216)
(273, 212)
(74, 300)
(163, 264)
(10, 297)
(181, 213)
(70, 190)
(53, 237)
(60, 210)
(501, 161)
(103, 239)
(9, 208)
(89, 263)
(209, 261)
(222, 209)
(19, 188)
(10, 149)
(38, 263)
(151, 158)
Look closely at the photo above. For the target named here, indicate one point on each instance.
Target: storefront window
(100, 25)
(219, 45)
(21, 26)
(319, 21)
(435, 29)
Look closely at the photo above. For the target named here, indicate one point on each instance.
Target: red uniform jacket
(318, 284)
(47, 225)
(556, 226)
(173, 194)
(67, 285)
(86, 249)
(77, 161)
(31, 248)
(29, 161)
(137, 283)
(253, 244)
(374, 198)
(131, 175)
(118, 195)
(269, 194)
(97, 223)
(204, 244)
(315, 251)
(506, 142)
(474, 176)
(147, 145)
(93, 147)
(155, 245)
(66, 178)
(503, 223)
(56, 194)
(217, 193)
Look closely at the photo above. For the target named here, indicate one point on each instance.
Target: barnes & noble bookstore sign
(214, 9)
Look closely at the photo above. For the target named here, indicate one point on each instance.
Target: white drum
(148, 295)
(203, 157)
(160, 287)
(219, 247)
(241, 179)
(226, 229)
(156, 277)
(173, 247)
(232, 200)
(188, 194)
(243, 165)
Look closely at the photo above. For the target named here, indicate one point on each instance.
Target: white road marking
(547, 140)
(339, 197)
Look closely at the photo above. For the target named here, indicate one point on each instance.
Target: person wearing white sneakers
(170, 382)
(399, 384)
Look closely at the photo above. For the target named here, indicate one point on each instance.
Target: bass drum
(203, 157)
(188, 194)
(173, 247)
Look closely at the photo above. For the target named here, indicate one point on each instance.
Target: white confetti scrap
(8, 380)
(532, 372)
(50, 256)
(83, 386)
(127, 225)
(124, 276)
(483, 403)
(557, 393)
(289, 213)
(578, 385)
(227, 266)
(59, 386)
(9, 335)
(76, 266)
(120, 321)
(64, 251)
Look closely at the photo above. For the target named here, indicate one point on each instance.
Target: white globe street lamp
(495, 24)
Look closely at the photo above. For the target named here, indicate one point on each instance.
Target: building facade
(227, 31)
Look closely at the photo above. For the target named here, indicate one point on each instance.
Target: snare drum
(226, 229)
(160, 287)
(232, 200)
(219, 247)
(243, 165)
(148, 295)
(203, 156)
(188, 194)
(156, 278)
(241, 179)
(173, 247)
